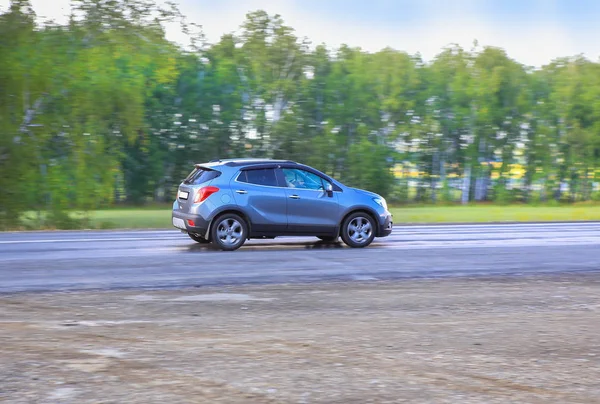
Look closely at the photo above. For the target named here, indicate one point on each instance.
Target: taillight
(204, 193)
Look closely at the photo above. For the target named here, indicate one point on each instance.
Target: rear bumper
(386, 224)
(190, 223)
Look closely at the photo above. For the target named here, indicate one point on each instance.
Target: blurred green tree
(105, 109)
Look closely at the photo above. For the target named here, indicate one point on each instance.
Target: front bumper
(190, 223)
(386, 224)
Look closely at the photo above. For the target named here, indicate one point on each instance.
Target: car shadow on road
(324, 245)
(272, 245)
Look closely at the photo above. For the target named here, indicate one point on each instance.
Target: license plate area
(179, 223)
(183, 195)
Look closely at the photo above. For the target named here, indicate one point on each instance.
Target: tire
(229, 232)
(198, 239)
(358, 230)
(328, 239)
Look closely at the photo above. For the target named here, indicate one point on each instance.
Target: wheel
(229, 232)
(358, 230)
(198, 239)
(328, 239)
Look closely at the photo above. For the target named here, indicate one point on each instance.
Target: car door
(260, 196)
(310, 210)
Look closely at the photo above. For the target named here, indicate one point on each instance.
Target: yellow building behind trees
(517, 171)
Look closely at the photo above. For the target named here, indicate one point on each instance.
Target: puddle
(141, 298)
(108, 352)
(221, 297)
(62, 393)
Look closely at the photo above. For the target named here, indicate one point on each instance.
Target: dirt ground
(522, 340)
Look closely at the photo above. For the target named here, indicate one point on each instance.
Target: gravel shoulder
(526, 340)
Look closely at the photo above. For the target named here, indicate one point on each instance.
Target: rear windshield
(201, 175)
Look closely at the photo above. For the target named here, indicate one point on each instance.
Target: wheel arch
(360, 209)
(225, 211)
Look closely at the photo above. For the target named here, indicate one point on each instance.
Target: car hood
(367, 193)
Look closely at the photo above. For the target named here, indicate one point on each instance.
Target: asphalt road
(54, 261)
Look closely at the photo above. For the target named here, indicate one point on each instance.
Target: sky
(533, 32)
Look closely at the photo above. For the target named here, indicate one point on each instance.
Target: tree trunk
(442, 170)
(443, 167)
(466, 187)
(543, 189)
(419, 195)
(488, 182)
(433, 181)
(479, 186)
(585, 188)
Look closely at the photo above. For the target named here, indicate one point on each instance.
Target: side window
(264, 176)
(301, 179)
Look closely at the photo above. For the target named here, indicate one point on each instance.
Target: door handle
(294, 197)
(241, 191)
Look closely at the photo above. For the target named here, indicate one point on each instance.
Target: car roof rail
(254, 162)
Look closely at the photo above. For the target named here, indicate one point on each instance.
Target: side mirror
(329, 189)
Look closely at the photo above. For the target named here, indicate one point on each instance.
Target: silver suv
(227, 202)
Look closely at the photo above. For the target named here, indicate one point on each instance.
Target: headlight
(381, 202)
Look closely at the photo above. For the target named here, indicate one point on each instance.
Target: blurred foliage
(105, 109)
